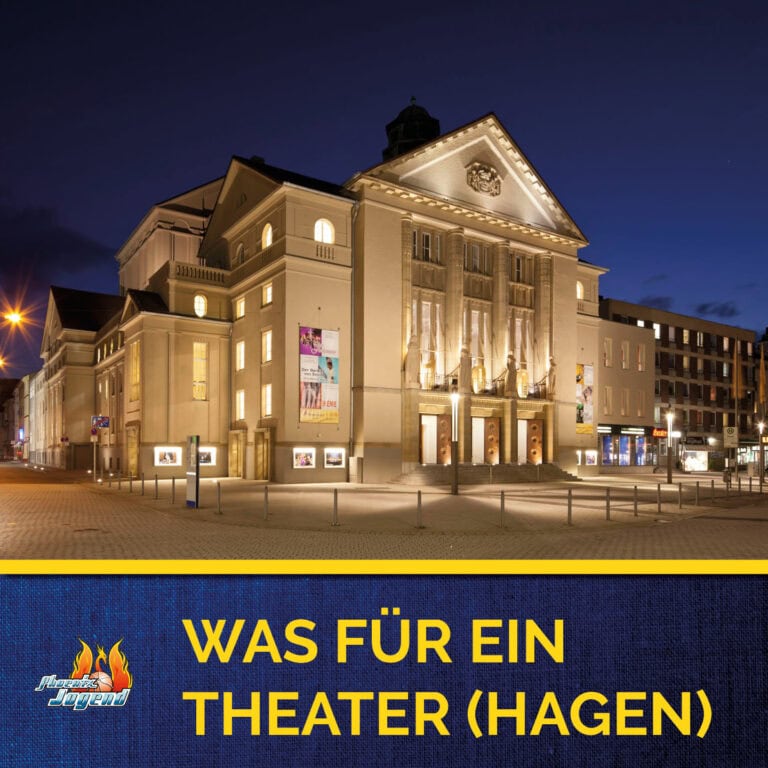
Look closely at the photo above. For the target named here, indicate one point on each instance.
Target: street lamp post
(455, 440)
(670, 417)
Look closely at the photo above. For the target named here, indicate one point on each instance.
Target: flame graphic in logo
(119, 677)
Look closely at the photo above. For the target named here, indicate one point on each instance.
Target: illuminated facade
(315, 332)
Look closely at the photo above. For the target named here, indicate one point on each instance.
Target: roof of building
(148, 301)
(85, 310)
(281, 176)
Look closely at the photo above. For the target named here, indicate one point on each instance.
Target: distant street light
(14, 317)
(670, 419)
(455, 439)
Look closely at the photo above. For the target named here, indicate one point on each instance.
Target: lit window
(686, 336)
(475, 257)
(699, 338)
(624, 356)
(266, 236)
(324, 232)
(607, 401)
(579, 290)
(239, 405)
(201, 305)
(239, 355)
(426, 245)
(266, 400)
(749, 348)
(657, 330)
(641, 357)
(240, 307)
(607, 353)
(135, 371)
(625, 402)
(671, 334)
(266, 294)
(726, 343)
(686, 363)
(199, 370)
(266, 346)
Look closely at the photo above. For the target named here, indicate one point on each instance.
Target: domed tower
(413, 127)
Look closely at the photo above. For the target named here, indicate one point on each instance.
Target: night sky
(647, 120)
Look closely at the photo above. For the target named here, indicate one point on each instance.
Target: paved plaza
(52, 514)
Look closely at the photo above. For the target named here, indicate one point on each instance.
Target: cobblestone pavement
(52, 514)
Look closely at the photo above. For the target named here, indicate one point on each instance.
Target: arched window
(201, 305)
(324, 232)
(579, 290)
(266, 236)
(240, 255)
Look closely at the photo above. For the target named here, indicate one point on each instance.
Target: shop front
(621, 446)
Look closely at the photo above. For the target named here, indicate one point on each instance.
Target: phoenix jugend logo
(88, 686)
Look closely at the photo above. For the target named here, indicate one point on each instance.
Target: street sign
(730, 437)
(99, 422)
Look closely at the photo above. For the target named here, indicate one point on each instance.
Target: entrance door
(262, 454)
(478, 440)
(535, 451)
(236, 453)
(132, 447)
(434, 439)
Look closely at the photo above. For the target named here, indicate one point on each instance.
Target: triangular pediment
(481, 167)
(243, 189)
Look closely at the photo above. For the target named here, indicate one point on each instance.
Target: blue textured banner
(629, 646)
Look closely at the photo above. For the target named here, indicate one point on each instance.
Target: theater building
(309, 331)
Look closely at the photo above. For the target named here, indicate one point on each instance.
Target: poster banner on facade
(584, 399)
(355, 670)
(318, 375)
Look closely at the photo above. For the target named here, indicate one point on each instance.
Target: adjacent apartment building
(704, 374)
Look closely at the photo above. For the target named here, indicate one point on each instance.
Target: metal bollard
(738, 480)
(712, 489)
(266, 502)
(173, 490)
(607, 503)
(218, 498)
(658, 497)
(119, 481)
(109, 482)
(142, 483)
(538, 473)
(501, 510)
(570, 506)
(335, 519)
(418, 510)
(634, 501)
(750, 483)
(697, 493)
(679, 495)
(157, 493)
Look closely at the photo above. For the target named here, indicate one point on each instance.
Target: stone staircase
(485, 474)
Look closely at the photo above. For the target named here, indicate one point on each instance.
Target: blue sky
(647, 121)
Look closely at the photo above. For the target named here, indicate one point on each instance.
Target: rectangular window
(625, 402)
(657, 330)
(466, 258)
(414, 243)
(640, 397)
(700, 364)
(641, 357)
(199, 370)
(686, 336)
(699, 339)
(749, 354)
(266, 294)
(475, 257)
(487, 262)
(239, 355)
(726, 343)
(135, 391)
(686, 363)
(607, 352)
(671, 334)
(239, 405)
(266, 346)
(624, 355)
(438, 249)
(725, 370)
(239, 307)
(426, 246)
(266, 400)
(518, 268)
(607, 401)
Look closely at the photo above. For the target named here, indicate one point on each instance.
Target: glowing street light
(14, 317)
(670, 418)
